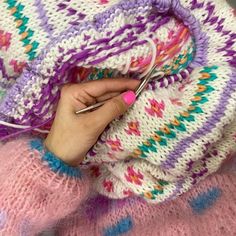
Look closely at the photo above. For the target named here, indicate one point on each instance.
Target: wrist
(57, 149)
(56, 164)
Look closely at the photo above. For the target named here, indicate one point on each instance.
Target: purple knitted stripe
(183, 75)
(110, 14)
(229, 50)
(117, 34)
(210, 8)
(105, 17)
(140, 26)
(48, 28)
(163, 6)
(206, 128)
(103, 20)
(163, 21)
(195, 4)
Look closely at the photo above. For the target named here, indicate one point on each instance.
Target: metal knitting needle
(144, 82)
(139, 89)
(99, 104)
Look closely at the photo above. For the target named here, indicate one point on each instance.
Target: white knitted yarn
(176, 133)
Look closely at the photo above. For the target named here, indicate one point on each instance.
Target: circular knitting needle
(139, 89)
(90, 107)
(145, 81)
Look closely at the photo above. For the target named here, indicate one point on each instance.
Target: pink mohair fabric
(34, 198)
(172, 218)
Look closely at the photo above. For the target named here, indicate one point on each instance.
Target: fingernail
(129, 97)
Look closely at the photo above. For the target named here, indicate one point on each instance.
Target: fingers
(100, 87)
(114, 108)
(79, 96)
(107, 96)
(85, 98)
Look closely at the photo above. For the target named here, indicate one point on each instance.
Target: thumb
(115, 107)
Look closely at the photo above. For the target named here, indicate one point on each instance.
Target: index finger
(100, 87)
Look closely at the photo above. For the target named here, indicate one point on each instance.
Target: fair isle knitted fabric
(191, 140)
(179, 130)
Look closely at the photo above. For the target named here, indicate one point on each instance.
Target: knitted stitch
(34, 199)
(207, 209)
(179, 131)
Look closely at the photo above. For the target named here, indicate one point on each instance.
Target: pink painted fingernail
(129, 97)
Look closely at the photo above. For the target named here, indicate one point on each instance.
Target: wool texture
(180, 129)
(36, 197)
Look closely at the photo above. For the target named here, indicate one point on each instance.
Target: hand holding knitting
(71, 135)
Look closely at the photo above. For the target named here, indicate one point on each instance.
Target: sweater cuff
(53, 162)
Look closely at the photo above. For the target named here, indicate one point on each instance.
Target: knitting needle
(145, 81)
(139, 89)
(99, 104)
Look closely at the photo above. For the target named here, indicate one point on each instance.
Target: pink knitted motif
(5, 40)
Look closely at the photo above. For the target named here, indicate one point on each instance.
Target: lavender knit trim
(210, 18)
(207, 127)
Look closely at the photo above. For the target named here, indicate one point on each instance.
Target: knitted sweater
(179, 130)
(39, 192)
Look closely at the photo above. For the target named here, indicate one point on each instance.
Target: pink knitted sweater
(38, 192)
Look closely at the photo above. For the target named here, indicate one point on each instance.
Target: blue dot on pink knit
(121, 227)
(205, 200)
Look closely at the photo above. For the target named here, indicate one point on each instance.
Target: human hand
(71, 136)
